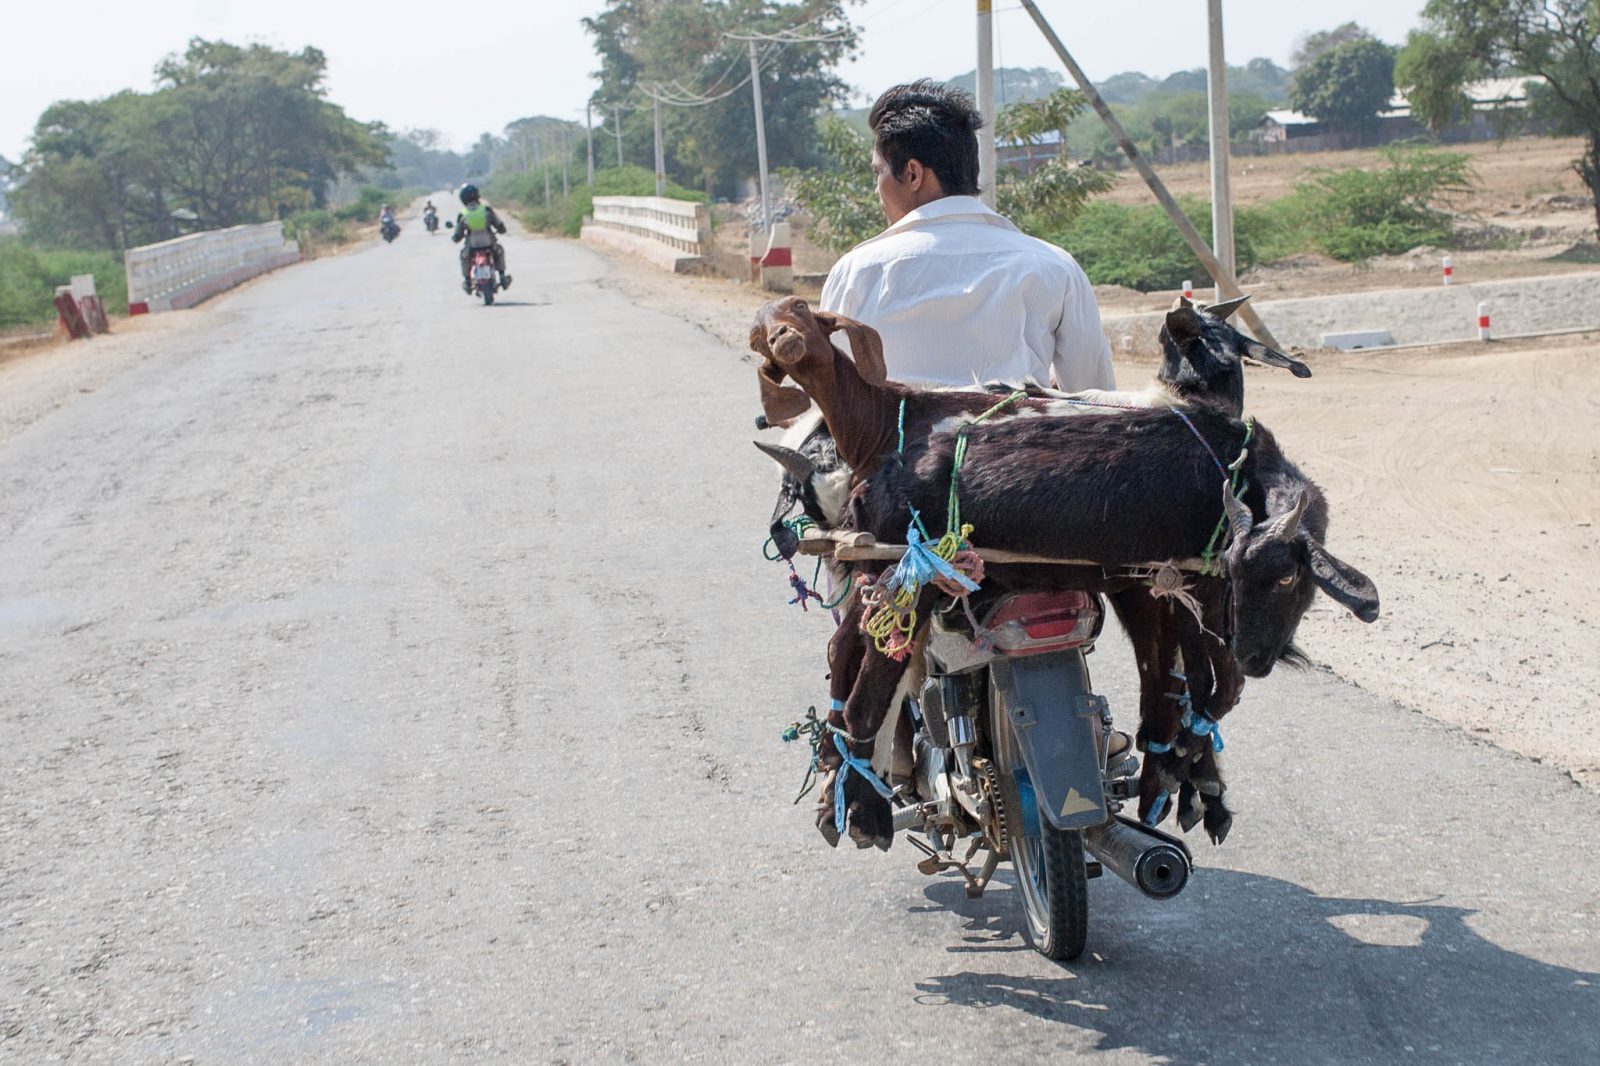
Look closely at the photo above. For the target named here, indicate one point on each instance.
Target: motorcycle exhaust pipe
(1146, 860)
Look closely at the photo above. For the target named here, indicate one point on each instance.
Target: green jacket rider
(477, 225)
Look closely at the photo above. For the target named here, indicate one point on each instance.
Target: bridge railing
(186, 270)
(675, 233)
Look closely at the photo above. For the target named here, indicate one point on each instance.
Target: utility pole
(1217, 96)
(616, 124)
(661, 160)
(588, 130)
(538, 157)
(566, 154)
(986, 102)
(761, 140)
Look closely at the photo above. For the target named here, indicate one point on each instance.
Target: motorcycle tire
(488, 295)
(1052, 876)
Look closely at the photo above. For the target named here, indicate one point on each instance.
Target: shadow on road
(1244, 968)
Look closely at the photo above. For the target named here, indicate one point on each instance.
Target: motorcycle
(485, 280)
(430, 219)
(1009, 749)
(390, 230)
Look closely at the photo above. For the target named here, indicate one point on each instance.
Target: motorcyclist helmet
(469, 193)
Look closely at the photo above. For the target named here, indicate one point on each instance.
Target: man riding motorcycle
(430, 216)
(477, 225)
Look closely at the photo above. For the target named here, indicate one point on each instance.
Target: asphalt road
(387, 678)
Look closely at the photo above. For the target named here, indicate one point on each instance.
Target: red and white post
(1188, 290)
(1449, 270)
(1483, 322)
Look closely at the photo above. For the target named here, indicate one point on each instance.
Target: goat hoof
(869, 817)
(1190, 808)
(826, 827)
(1218, 822)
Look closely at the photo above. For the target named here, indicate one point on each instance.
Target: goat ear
(1226, 308)
(1343, 582)
(800, 466)
(1254, 349)
(1183, 322)
(866, 347)
(781, 403)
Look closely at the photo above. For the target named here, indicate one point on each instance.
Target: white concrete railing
(676, 224)
(186, 270)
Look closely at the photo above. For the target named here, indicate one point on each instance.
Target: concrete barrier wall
(186, 270)
(674, 234)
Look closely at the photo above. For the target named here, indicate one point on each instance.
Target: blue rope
(1157, 809)
(919, 565)
(852, 762)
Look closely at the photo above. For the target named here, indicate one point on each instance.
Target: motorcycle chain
(996, 827)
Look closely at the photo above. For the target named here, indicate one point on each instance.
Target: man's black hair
(933, 123)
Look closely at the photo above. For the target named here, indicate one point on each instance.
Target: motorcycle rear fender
(1056, 720)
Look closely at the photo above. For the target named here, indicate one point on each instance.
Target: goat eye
(1287, 579)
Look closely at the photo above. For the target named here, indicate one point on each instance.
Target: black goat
(1122, 489)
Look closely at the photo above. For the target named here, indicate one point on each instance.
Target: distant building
(1495, 102)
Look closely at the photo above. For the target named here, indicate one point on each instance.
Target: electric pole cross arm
(1226, 282)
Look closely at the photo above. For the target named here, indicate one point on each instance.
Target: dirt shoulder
(1465, 480)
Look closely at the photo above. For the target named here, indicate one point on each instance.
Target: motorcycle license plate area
(481, 273)
(1056, 719)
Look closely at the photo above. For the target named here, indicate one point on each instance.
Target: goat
(1200, 362)
(1122, 489)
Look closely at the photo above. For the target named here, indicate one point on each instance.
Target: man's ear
(865, 345)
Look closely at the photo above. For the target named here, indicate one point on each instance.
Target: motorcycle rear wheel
(1052, 877)
(488, 295)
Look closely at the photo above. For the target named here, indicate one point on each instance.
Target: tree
(1313, 45)
(678, 47)
(232, 134)
(1347, 85)
(1433, 74)
(1556, 41)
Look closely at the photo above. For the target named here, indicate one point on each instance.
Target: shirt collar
(967, 207)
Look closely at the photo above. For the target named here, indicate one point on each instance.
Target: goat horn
(1286, 525)
(1239, 516)
(795, 463)
(1226, 307)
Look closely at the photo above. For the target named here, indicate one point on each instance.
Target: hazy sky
(428, 64)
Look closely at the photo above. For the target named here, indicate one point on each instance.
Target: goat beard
(1293, 657)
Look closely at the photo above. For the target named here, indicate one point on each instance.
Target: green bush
(1350, 215)
(29, 276)
(370, 200)
(317, 224)
(1138, 246)
(1357, 214)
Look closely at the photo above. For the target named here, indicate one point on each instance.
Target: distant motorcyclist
(386, 216)
(430, 216)
(477, 225)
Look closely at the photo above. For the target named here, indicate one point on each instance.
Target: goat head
(792, 340)
(1201, 352)
(1275, 567)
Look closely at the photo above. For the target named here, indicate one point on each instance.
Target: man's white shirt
(960, 295)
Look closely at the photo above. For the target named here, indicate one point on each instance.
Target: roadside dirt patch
(1464, 480)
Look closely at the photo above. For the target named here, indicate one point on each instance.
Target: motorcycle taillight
(1036, 622)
